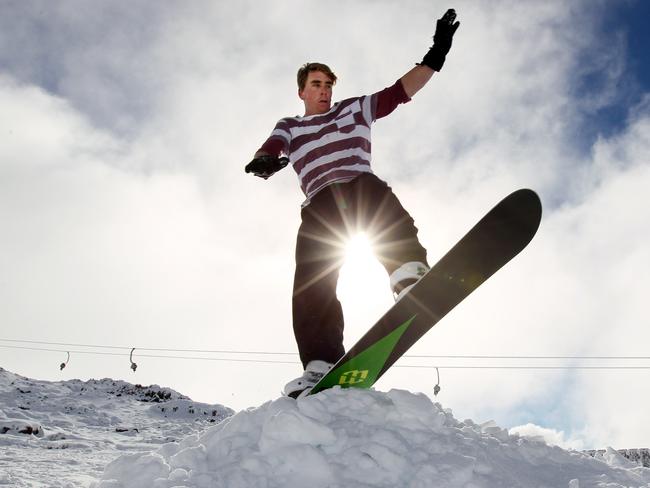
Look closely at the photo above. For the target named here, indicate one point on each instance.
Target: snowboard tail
(497, 238)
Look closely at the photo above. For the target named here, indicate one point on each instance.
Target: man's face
(317, 93)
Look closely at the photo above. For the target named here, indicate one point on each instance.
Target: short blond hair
(307, 68)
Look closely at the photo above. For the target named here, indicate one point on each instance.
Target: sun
(363, 286)
(358, 250)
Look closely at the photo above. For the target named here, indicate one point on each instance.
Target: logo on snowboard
(353, 377)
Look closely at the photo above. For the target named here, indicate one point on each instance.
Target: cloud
(99, 246)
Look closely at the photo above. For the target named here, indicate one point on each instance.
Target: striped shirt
(334, 146)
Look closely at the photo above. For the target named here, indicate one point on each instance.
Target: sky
(128, 221)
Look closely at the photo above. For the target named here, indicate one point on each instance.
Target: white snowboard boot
(404, 277)
(314, 371)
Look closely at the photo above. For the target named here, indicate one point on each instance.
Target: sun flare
(358, 249)
(363, 286)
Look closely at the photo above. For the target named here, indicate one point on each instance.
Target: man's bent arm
(415, 79)
(271, 147)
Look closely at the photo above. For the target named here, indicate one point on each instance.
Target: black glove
(265, 166)
(445, 29)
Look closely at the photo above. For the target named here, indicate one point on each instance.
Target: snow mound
(63, 433)
(36, 407)
(358, 438)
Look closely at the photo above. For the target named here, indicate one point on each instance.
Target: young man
(329, 147)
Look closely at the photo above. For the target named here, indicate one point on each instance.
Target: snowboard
(491, 243)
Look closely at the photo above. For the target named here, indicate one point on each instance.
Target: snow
(79, 427)
(110, 434)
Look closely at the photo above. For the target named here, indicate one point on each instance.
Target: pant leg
(317, 312)
(389, 226)
(334, 214)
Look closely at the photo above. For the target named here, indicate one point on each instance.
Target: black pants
(334, 215)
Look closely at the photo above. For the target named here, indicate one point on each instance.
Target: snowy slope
(110, 434)
(78, 427)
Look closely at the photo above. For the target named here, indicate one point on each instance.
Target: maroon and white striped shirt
(334, 146)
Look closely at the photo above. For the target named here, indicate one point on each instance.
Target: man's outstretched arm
(415, 79)
(419, 76)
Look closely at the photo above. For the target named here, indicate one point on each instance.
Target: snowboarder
(329, 148)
